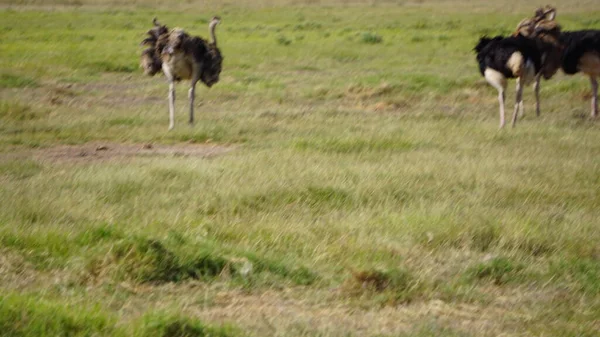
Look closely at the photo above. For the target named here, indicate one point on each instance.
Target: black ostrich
(501, 58)
(572, 51)
(581, 53)
(182, 57)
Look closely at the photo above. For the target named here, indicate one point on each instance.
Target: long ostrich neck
(212, 26)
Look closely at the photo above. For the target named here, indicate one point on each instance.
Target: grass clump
(16, 111)
(500, 270)
(308, 26)
(484, 237)
(100, 233)
(370, 38)
(26, 316)
(284, 41)
(16, 81)
(581, 275)
(21, 169)
(170, 325)
(47, 249)
(44, 249)
(391, 286)
(145, 260)
(299, 275)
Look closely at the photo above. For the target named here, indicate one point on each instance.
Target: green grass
(367, 190)
(15, 81)
(29, 316)
(165, 325)
(18, 112)
(144, 260)
(499, 270)
(371, 38)
(20, 169)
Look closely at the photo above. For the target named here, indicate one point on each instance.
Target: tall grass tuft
(370, 38)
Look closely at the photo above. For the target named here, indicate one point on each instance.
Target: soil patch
(306, 312)
(103, 151)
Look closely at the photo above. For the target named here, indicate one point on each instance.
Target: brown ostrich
(552, 53)
(573, 51)
(182, 57)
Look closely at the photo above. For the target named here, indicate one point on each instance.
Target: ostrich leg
(192, 97)
(519, 102)
(536, 89)
(594, 96)
(501, 101)
(171, 105)
(498, 81)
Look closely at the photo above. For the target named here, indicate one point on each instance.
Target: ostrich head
(547, 13)
(539, 27)
(157, 30)
(525, 28)
(547, 30)
(213, 66)
(544, 28)
(544, 15)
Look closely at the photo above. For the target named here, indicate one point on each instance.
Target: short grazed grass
(367, 190)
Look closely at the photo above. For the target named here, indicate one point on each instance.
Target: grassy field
(346, 177)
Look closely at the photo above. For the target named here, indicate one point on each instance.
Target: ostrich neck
(212, 32)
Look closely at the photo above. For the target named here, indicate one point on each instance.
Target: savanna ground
(346, 177)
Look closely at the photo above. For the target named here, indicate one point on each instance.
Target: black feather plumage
(577, 43)
(495, 52)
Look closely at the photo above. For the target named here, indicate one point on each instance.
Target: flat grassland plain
(346, 177)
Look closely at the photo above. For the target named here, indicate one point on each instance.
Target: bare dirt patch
(105, 151)
(305, 312)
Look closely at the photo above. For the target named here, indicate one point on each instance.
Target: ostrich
(182, 57)
(573, 51)
(501, 58)
(551, 60)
